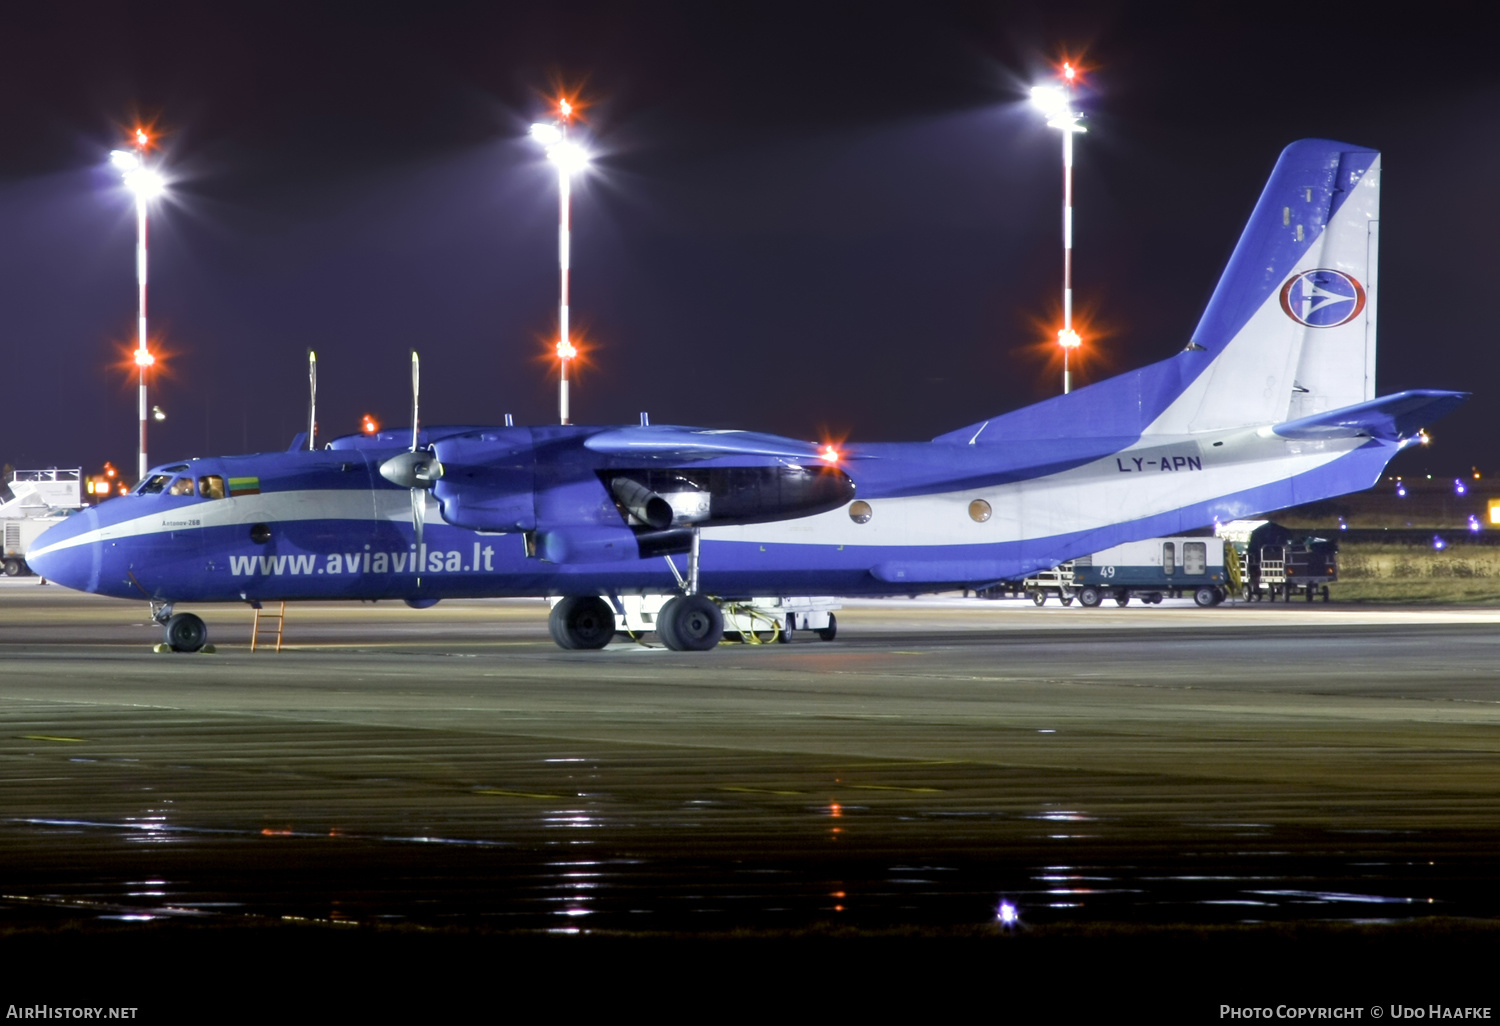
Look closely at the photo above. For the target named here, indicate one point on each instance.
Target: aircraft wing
(671, 444)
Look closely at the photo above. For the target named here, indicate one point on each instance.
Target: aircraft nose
(58, 555)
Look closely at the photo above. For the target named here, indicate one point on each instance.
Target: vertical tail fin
(1290, 328)
(1288, 333)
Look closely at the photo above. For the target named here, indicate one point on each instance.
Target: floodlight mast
(568, 158)
(144, 183)
(1057, 103)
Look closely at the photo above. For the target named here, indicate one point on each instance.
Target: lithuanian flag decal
(244, 486)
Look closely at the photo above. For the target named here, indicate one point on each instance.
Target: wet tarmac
(940, 761)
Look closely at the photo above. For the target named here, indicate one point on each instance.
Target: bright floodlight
(1050, 100)
(1056, 104)
(569, 157)
(145, 182)
(124, 160)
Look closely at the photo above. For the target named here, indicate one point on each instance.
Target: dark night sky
(804, 218)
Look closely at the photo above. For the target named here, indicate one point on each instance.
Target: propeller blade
(416, 373)
(312, 406)
(418, 515)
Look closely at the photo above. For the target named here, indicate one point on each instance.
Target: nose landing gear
(185, 632)
(181, 632)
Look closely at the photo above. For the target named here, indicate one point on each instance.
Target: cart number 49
(1108, 571)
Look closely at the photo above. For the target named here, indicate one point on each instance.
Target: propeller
(416, 469)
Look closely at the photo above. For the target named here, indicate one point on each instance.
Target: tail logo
(1322, 298)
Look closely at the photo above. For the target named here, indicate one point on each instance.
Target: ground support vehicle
(18, 534)
(1152, 570)
(1045, 582)
(1276, 563)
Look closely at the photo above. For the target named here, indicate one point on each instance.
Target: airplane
(1270, 404)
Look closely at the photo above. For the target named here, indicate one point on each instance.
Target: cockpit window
(182, 486)
(211, 487)
(153, 484)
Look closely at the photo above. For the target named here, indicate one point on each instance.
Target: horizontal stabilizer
(682, 443)
(1390, 418)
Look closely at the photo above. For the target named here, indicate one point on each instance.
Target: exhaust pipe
(642, 503)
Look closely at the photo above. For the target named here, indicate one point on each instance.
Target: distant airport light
(1056, 103)
(158, 414)
(570, 159)
(1400, 490)
(1474, 524)
(1050, 100)
(1006, 914)
(1495, 512)
(1458, 486)
(1438, 543)
(145, 184)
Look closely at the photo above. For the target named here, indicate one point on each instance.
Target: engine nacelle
(584, 545)
(721, 496)
(488, 481)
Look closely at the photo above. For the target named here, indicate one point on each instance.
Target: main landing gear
(689, 621)
(582, 621)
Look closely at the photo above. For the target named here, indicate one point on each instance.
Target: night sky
(822, 220)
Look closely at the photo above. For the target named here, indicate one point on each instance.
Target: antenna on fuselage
(312, 403)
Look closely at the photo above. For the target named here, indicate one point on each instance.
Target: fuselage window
(1168, 558)
(860, 512)
(211, 487)
(153, 484)
(979, 511)
(1195, 557)
(182, 486)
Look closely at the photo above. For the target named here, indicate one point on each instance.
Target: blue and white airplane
(1271, 404)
